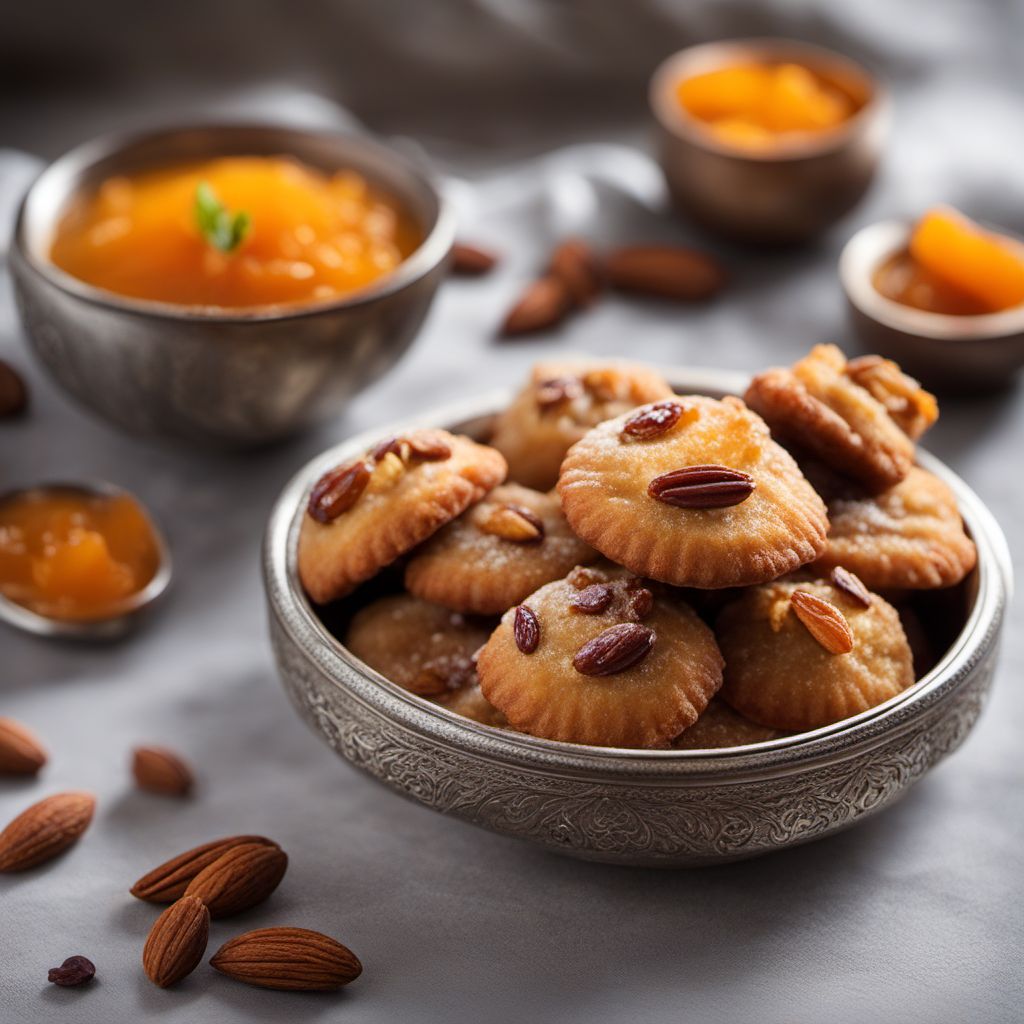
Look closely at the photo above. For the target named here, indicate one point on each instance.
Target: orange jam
(954, 266)
(67, 554)
(755, 106)
(311, 237)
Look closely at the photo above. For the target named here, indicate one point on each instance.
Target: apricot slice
(986, 266)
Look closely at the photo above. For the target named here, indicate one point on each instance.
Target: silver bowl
(657, 808)
(231, 378)
(122, 619)
(951, 354)
(788, 193)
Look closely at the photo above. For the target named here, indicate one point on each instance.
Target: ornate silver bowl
(662, 808)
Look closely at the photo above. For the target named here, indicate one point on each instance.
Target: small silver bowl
(231, 378)
(668, 808)
(128, 613)
(951, 354)
(786, 194)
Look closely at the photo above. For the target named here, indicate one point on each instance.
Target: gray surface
(914, 916)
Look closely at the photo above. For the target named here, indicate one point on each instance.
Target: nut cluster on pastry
(669, 570)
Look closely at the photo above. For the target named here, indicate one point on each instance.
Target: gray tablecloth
(915, 915)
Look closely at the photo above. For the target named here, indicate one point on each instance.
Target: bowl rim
(431, 252)
(294, 613)
(864, 253)
(806, 146)
(25, 618)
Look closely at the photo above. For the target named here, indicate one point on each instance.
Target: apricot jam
(755, 106)
(955, 267)
(311, 237)
(67, 554)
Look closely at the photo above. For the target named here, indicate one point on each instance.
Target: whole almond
(542, 305)
(824, 621)
(614, 650)
(666, 271)
(159, 770)
(168, 882)
(21, 753)
(702, 487)
(292, 959)
(470, 260)
(240, 878)
(176, 942)
(44, 830)
(573, 262)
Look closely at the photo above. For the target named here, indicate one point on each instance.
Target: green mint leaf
(222, 229)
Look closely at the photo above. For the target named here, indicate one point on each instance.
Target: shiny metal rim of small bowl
(110, 626)
(296, 616)
(74, 164)
(867, 250)
(714, 55)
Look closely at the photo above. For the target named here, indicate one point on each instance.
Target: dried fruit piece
(240, 878)
(159, 770)
(851, 585)
(526, 630)
(666, 271)
(13, 393)
(471, 261)
(515, 523)
(824, 621)
(581, 577)
(176, 942)
(544, 304)
(640, 602)
(573, 262)
(592, 600)
(338, 490)
(168, 881)
(550, 393)
(76, 970)
(702, 487)
(44, 830)
(653, 421)
(292, 959)
(21, 752)
(614, 650)
(428, 446)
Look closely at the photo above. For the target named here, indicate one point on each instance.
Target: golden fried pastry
(908, 537)
(501, 550)
(800, 655)
(911, 408)
(694, 492)
(598, 658)
(720, 726)
(818, 407)
(362, 515)
(422, 647)
(469, 702)
(561, 401)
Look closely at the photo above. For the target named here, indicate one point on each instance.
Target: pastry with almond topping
(719, 726)
(908, 537)
(843, 413)
(497, 553)
(561, 401)
(803, 654)
(600, 658)
(692, 491)
(364, 514)
(422, 647)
